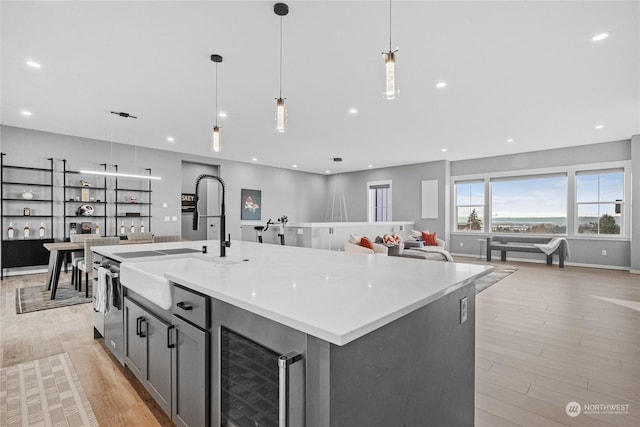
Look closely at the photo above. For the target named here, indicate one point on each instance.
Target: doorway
(209, 203)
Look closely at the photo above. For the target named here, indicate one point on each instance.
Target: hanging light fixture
(135, 157)
(281, 9)
(391, 90)
(215, 142)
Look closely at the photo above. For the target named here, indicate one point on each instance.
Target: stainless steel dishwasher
(113, 319)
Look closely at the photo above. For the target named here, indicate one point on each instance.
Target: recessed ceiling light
(441, 85)
(353, 111)
(294, 166)
(222, 114)
(599, 126)
(26, 113)
(510, 140)
(170, 139)
(327, 171)
(254, 159)
(444, 150)
(600, 37)
(369, 166)
(33, 64)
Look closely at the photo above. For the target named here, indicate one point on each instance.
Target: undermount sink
(147, 278)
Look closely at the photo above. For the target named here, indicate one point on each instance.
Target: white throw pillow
(417, 234)
(354, 238)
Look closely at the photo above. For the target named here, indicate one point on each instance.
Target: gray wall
(635, 195)
(583, 251)
(299, 195)
(406, 192)
(407, 206)
(593, 153)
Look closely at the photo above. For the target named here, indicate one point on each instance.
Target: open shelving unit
(141, 206)
(72, 200)
(17, 180)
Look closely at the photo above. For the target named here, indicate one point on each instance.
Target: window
(379, 201)
(599, 200)
(529, 204)
(470, 206)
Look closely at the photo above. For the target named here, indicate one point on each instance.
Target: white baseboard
(541, 261)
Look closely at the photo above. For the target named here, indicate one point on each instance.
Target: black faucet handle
(226, 243)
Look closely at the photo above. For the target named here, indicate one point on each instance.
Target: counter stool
(86, 265)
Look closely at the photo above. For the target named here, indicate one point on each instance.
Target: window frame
(622, 203)
(371, 216)
(572, 206)
(483, 206)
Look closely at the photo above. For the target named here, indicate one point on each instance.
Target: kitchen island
(367, 340)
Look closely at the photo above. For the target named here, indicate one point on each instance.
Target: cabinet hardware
(184, 306)
(170, 343)
(138, 325)
(143, 333)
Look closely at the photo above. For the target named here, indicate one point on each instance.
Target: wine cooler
(254, 383)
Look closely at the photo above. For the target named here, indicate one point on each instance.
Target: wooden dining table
(58, 253)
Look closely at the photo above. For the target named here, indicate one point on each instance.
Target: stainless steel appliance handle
(284, 362)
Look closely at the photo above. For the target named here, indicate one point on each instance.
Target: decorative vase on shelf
(27, 195)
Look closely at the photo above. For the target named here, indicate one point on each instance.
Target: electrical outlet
(166, 219)
(174, 218)
(165, 205)
(604, 252)
(300, 231)
(463, 310)
(461, 243)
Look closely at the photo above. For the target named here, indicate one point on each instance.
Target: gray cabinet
(148, 351)
(191, 375)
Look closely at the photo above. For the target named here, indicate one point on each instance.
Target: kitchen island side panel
(416, 371)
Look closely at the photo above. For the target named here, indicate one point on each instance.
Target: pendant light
(391, 90)
(135, 150)
(215, 142)
(281, 9)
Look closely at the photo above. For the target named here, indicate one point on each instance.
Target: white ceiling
(523, 70)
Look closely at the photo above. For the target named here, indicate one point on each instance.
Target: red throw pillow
(365, 242)
(397, 238)
(429, 239)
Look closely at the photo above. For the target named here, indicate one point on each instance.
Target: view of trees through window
(599, 199)
(538, 204)
(470, 206)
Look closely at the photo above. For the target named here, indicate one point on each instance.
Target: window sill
(601, 238)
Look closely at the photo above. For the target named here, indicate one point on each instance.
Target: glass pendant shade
(281, 115)
(215, 143)
(391, 73)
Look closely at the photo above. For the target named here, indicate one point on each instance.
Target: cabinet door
(134, 348)
(158, 362)
(191, 375)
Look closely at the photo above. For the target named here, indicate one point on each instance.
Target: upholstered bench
(506, 244)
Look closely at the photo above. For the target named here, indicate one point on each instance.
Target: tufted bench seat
(506, 244)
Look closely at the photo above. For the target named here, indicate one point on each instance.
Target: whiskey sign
(188, 202)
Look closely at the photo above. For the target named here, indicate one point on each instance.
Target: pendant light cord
(389, 25)
(216, 94)
(281, 57)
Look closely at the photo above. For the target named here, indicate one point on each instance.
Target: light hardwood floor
(545, 337)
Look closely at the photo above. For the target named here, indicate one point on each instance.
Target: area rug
(44, 392)
(36, 298)
(494, 277)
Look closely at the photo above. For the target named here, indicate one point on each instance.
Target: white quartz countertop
(335, 296)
